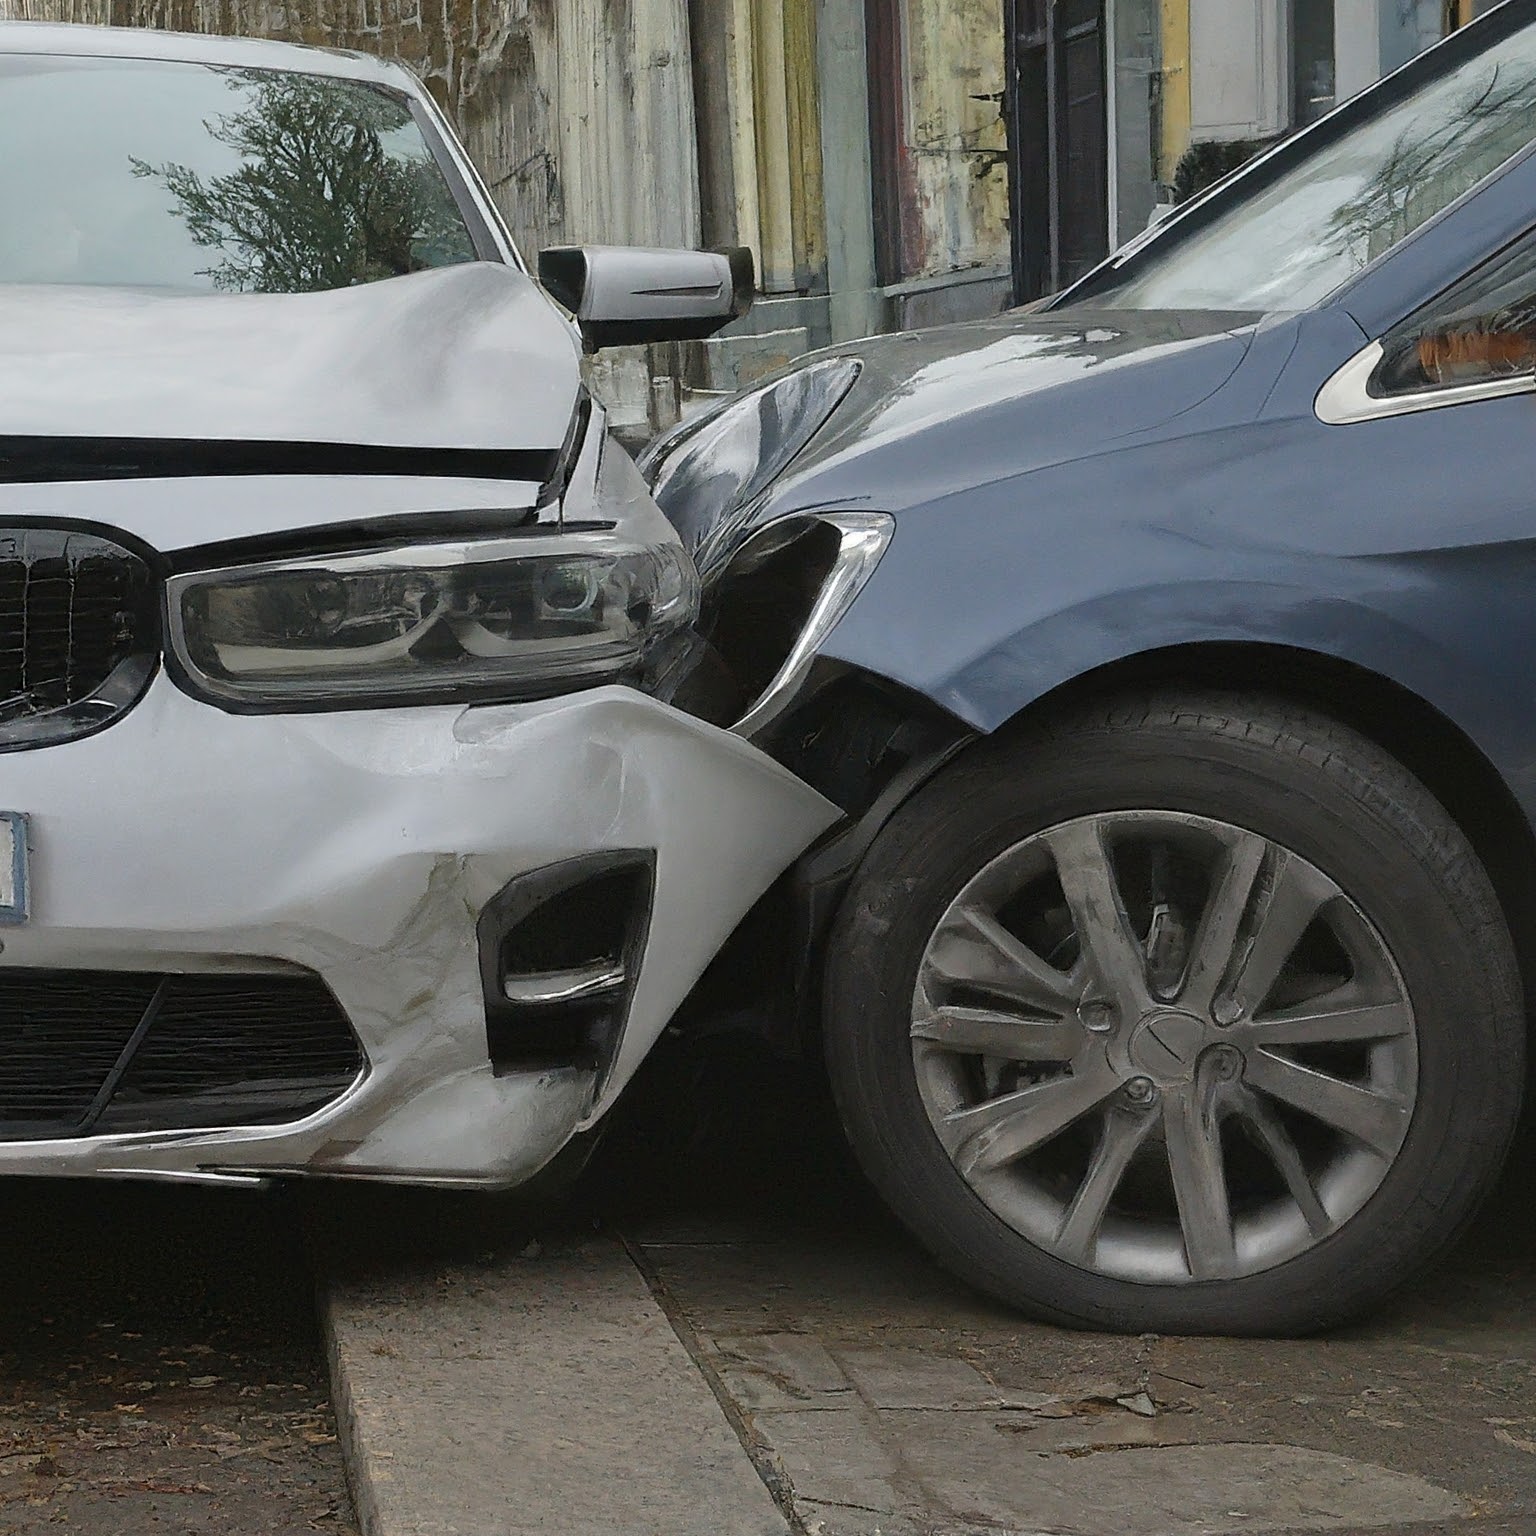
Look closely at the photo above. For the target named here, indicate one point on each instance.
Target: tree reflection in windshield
(1435, 160)
(335, 188)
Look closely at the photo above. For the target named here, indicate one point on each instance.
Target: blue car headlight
(710, 473)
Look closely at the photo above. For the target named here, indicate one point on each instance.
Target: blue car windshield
(1292, 240)
(142, 173)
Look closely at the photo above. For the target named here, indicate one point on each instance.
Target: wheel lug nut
(1229, 1062)
(1097, 1016)
(1141, 1090)
(1227, 1010)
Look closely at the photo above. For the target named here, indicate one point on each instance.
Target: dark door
(1082, 161)
(1059, 125)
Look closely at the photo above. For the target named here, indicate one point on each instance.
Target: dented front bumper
(362, 847)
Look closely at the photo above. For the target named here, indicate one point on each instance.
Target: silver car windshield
(141, 173)
(1291, 243)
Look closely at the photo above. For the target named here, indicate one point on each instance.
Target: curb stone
(544, 1396)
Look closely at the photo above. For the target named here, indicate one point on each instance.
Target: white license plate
(13, 867)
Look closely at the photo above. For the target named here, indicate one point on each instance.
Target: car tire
(1398, 1128)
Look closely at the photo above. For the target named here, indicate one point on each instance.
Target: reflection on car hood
(938, 410)
(471, 357)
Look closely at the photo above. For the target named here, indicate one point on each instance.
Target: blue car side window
(1479, 332)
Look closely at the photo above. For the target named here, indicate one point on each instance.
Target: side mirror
(627, 295)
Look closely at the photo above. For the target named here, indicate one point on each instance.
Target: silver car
(345, 828)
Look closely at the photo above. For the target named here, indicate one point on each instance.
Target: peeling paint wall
(957, 145)
(579, 113)
(757, 94)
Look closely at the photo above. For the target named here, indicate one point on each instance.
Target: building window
(1314, 79)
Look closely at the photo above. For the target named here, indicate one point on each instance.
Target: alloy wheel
(1164, 1048)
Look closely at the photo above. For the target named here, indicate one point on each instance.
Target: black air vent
(236, 1051)
(61, 1033)
(79, 633)
(560, 952)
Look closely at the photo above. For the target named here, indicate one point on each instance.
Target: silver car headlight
(501, 618)
(709, 474)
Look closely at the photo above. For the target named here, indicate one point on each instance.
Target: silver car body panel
(357, 845)
(186, 512)
(465, 357)
(362, 845)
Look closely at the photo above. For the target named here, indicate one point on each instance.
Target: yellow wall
(1176, 94)
(787, 143)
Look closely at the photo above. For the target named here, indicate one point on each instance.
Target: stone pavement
(736, 1305)
(898, 1404)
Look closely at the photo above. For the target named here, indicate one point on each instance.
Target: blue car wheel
(1188, 1014)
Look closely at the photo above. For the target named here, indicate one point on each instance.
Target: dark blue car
(1170, 650)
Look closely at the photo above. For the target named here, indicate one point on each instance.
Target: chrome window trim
(864, 538)
(1346, 398)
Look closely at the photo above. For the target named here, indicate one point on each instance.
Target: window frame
(1345, 400)
(488, 232)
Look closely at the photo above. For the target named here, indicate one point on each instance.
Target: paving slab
(893, 1376)
(892, 1413)
(1186, 1490)
(781, 1370)
(839, 1459)
(543, 1395)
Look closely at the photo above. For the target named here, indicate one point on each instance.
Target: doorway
(1058, 122)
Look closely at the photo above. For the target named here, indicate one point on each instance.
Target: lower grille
(85, 1052)
(61, 1034)
(78, 633)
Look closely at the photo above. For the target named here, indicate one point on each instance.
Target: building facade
(892, 162)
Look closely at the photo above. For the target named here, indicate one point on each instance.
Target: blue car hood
(948, 409)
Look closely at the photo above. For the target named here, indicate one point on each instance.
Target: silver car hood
(472, 357)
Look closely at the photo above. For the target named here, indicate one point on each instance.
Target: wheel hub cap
(1165, 1046)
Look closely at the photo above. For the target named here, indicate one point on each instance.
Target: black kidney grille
(77, 611)
(97, 1051)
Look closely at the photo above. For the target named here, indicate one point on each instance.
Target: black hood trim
(39, 460)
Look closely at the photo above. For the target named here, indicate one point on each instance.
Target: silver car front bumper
(362, 847)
